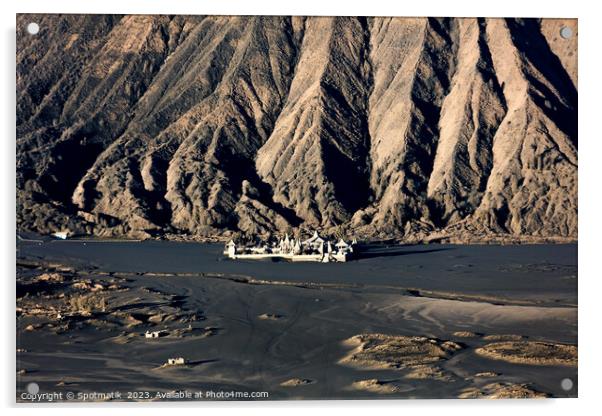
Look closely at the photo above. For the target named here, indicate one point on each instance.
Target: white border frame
(589, 171)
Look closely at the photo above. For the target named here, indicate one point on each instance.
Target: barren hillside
(378, 127)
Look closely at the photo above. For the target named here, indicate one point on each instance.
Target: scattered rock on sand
(63, 383)
(294, 382)
(395, 351)
(82, 285)
(501, 391)
(423, 372)
(124, 338)
(487, 374)
(376, 386)
(270, 316)
(132, 321)
(50, 277)
(503, 337)
(466, 334)
(156, 319)
(531, 352)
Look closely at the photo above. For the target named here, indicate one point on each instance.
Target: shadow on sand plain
(369, 254)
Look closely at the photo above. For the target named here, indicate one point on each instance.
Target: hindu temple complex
(315, 248)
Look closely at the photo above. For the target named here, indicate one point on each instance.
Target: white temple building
(315, 248)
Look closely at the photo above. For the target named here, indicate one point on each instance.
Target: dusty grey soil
(81, 329)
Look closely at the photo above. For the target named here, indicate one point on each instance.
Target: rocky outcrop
(207, 125)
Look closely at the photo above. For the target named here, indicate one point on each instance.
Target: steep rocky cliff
(377, 127)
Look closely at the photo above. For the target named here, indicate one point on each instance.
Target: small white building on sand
(155, 334)
(176, 361)
(315, 249)
(63, 235)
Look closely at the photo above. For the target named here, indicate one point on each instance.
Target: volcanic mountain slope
(380, 127)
